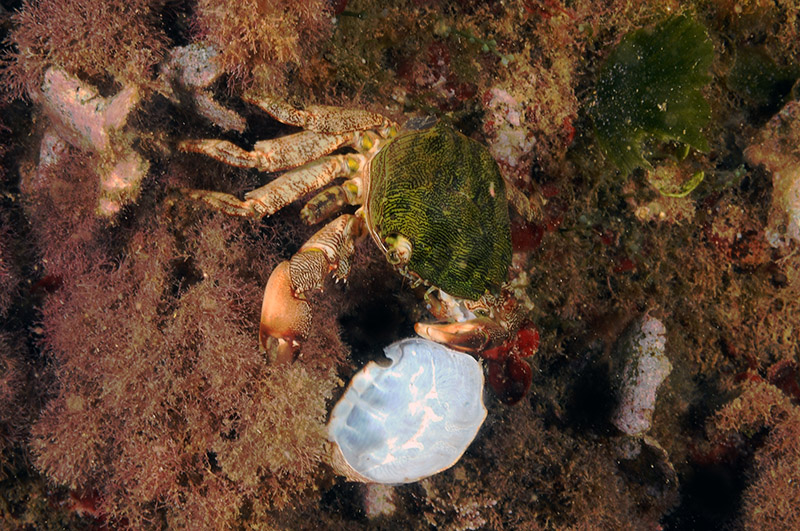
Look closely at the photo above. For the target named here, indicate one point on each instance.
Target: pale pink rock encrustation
(777, 148)
(509, 138)
(79, 114)
(379, 500)
(644, 367)
(80, 117)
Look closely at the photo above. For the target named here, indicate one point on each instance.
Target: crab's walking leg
(285, 313)
(296, 183)
(276, 194)
(321, 118)
(272, 155)
(529, 208)
(332, 200)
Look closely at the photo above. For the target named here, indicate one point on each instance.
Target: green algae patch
(651, 88)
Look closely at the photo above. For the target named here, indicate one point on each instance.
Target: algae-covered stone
(650, 87)
(643, 367)
(776, 148)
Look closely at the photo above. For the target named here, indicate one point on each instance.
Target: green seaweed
(686, 188)
(651, 87)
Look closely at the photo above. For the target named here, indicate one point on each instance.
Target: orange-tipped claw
(283, 315)
(473, 335)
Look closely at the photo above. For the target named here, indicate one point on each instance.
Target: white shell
(412, 419)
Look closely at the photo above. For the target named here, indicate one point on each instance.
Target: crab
(432, 199)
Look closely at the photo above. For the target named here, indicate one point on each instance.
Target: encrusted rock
(192, 70)
(81, 117)
(643, 366)
(777, 148)
(379, 500)
(510, 140)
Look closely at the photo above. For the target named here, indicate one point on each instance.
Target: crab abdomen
(444, 193)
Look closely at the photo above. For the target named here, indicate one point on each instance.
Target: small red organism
(509, 374)
(525, 236)
(438, 59)
(569, 131)
(607, 236)
(554, 212)
(86, 503)
(528, 341)
(337, 7)
(47, 284)
(623, 264)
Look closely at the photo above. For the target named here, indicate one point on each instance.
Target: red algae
(163, 395)
(260, 43)
(92, 39)
(763, 422)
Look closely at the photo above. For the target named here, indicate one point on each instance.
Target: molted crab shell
(412, 419)
(444, 193)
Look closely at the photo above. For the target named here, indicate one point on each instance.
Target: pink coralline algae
(81, 118)
(644, 368)
(775, 147)
(510, 141)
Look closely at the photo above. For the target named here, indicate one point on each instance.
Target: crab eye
(398, 250)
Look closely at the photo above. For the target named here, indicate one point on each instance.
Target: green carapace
(444, 193)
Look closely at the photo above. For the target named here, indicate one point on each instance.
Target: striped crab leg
(287, 188)
(273, 155)
(285, 312)
(323, 118)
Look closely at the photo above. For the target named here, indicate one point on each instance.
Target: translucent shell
(444, 193)
(412, 419)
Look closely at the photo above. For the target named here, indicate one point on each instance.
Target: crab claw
(284, 315)
(473, 335)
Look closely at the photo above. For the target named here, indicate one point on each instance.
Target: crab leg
(499, 318)
(321, 118)
(287, 188)
(473, 335)
(285, 313)
(529, 208)
(271, 155)
(332, 199)
(296, 183)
